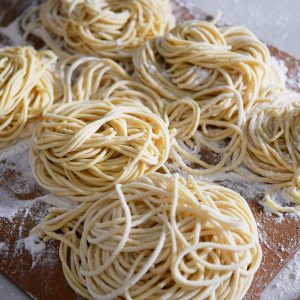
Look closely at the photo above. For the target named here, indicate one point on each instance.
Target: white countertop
(276, 22)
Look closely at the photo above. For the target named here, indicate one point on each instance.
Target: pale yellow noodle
(85, 148)
(203, 62)
(27, 89)
(273, 147)
(160, 237)
(224, 70)
(103, 28)
(203, 146)
(92, 78)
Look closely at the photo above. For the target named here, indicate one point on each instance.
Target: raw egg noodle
(103, 28)
(160, 237)
(224, 70)
(273, 147)
(82, 149)
(213, 66)
(27, 89)
(92, 78)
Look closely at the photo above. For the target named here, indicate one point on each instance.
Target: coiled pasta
(27, 89)
(85, 148)
(273, 151)
(160, 237)
(105, 28)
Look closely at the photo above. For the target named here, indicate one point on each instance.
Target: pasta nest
(82, 149)
(26, 89)
(171, 239)
(103, 28)
(273, 140)
(273, 151)
(202, 146)
(223, 69)
(92, 78)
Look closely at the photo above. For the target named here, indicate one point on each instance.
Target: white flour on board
(13, 33)
(35, 246)
(281, 68)
(193, 9)
(285, 285)
(15, 149)
(15, 180)
(3, 248)
(294, 80)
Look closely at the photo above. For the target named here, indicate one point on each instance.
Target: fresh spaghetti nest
(161, 237)
(211, 65)
(82, 149)
(105, 28)
(274, 147)
(92, 78)
(223, 71)
(26, 89)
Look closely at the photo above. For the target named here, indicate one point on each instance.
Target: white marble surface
(277, 22)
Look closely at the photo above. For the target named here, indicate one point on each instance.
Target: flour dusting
(281, 69)
(3, 247)
(15, 149)
(13, 34)
(35, 246)
(294, 79)
(285, 285)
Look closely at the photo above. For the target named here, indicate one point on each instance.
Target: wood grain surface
(44, 280)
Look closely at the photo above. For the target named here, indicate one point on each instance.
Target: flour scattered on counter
(15, 149)
(247, 188)
(13, 33)
(286, 285)
(281, 68)
(16, 181)
(294, 80)
(57, 201)
(9, 207)
(35, 246)
(192, 9)
(3, 247)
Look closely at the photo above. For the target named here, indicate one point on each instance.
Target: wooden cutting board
(21, 207)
